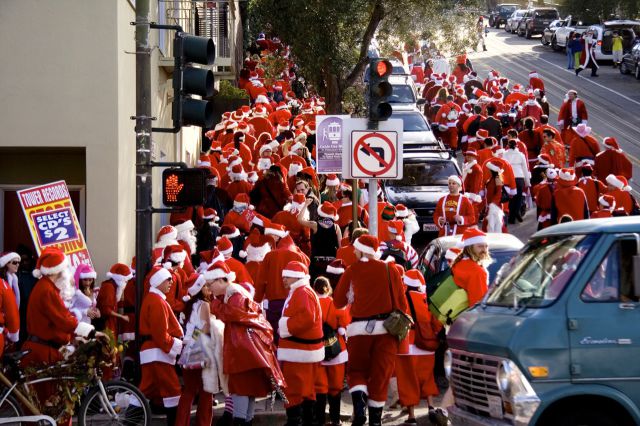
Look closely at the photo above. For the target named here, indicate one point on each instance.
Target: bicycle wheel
(9, 409)
(122, 404)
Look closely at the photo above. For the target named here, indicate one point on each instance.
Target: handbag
(193, 354)
(424, 338)
(330, 340)
(397, 323)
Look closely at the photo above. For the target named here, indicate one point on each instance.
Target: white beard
(190, 239)
(120, 285)
(66, 287)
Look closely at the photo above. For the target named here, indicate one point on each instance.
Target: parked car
(628, 30)
(424, 182)
(502, 247)
(549, 32)
(631, 62)
(415, 127)
(499, 15)
(535, 21)
(562, 34)
(514, 20)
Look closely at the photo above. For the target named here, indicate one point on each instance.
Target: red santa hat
(494, 166)
(466, 107)
(413, 278)
(367, 244)
(241, 200)
(256, 246)
(243, 129)
(310, 128)
(567, 174)
(582, 130)
(328, 210)
(265, 147)
(158, 275)
(209, 214)
(282, 105)
(295, 269)
(219, 270)
(198, 282)
(517, 88)
(611, 143)
(51, 261)
(551, 173)
(174, 253)
(229, 231)
(245, 109)
(332, 180)
(482, 134)
(119, 272)
(544, 160)
(396, 227)
(503, 81)
(209, 257)
(298, 121)
(311, 172)
(295, 147)
(237, 173)
(497, 97)
(276, 229)
(283, 125)
(296, 203)
(260, 111)
(534, 74)
(479, 93)
(336, 267)
(497, 150)
(456, 179)
(225, 246)
(452, 253)
(402, 211)
(607, 201)
(185, 226)
(167, 233)
(471, 152)
(7, 257)
(473, 236)
(619, 182)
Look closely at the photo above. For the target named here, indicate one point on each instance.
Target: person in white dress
(83, 303)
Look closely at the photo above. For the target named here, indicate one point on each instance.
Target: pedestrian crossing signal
(183, 187)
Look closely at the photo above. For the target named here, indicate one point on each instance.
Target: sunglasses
(14, 262)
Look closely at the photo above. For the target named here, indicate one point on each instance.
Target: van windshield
(546, 14)
(402, 94)
(541, 271)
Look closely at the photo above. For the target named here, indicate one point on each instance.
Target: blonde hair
(468, 252)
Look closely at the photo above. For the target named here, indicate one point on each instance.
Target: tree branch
(376, 16)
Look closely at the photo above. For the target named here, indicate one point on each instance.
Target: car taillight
(599, 42)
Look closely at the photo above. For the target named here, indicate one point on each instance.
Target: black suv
(425, 180)
(498, 16)
(536, 20)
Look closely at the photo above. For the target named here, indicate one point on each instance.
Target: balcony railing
(214, 19)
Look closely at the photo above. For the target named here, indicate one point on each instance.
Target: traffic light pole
(143, 158)
(373, 194)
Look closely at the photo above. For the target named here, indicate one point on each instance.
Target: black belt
(129, 310)
(374, 317)
(50, 343)
(145, 338)
(323, 258)
(304, 341)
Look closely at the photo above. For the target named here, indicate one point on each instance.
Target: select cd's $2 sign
(183, 187)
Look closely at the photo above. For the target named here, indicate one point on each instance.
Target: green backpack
(448, 301)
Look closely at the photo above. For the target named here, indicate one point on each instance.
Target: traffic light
(183, 187)
(379, 89)
(189, 80)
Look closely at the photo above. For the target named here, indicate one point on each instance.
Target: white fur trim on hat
(235, 233)
(333, 182)
(456, 179)
(566, 176)
(604, 203)
(363, 248)
(480, 239)
(614, 181)
(276, 232)
(38, 273)
(325, 215)
(287, 273)
(159, 277)
(227, 251)
(296, 146)
(8, 257)
(90, 275)
(185, 226)
(115, 277)
(219, 273)
(178, 257)
(334, 270)
(412, 282)
(494, 167)
(238, 204)
(197, 286)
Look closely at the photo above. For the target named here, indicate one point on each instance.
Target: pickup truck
(556, 339)
(567, 27)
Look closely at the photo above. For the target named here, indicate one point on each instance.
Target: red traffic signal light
(183, 187)
(384, 68)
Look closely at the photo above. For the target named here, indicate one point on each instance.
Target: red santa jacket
(570, 201)
(107, 303)
(159, 329)
(532, 140)
(9, 315)
(568, 110)
(301, 234)
(347, 255)
(337, 319)
(127, 329)
(237, 267)
(423, 319)
(269, 285)
(239, 187)
(472, 277)
(555, 151)
(593, 189)
(450, 206)
(543, 196)
(623, 199)
(345, 213)
(372, 288)
(612, 162)
(300, 327)
(240, 220)
(586, 147)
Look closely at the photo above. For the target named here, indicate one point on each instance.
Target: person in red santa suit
(592, 187)
(472, 178)
(187, 238)
(173, 259)
(447, 120)
(288, 217)
(535, 82)
(346, 253)
(582, 145)
(271, 193)
(345, 209)
(572, 112)
(414, 369)
(532, 109)
(543, 196)
(239, 182)
(127, 329)
(454, 212)
(530, 138)
(469, 268)
(249, 357)
(161, 337)
(618, 187)
(606, 207)
(569, 201)
(225, 247)
(256, 248)
(49, 323)
(9, 314)
(241, 215)
(552, 148)
(374, 290)
(281, 116)
(300, 349)
(612, 161)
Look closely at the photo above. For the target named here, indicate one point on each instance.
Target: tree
(330, 39)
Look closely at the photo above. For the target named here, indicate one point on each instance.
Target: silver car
(514, 20)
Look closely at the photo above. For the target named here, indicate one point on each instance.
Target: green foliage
(229, 91)
(599, 10)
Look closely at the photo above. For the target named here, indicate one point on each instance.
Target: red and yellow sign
(53, 222)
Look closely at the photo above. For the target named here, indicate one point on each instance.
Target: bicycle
(114, 402)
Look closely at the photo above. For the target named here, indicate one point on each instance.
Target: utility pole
(143, 155)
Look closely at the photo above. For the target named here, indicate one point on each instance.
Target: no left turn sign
(374, 154)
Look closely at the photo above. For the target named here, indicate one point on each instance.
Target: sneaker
(412, 421)
(438, 417)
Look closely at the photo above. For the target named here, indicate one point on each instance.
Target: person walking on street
(481, 33)
(587, 56)
(616, 49)
(521, 172)
(576, 49)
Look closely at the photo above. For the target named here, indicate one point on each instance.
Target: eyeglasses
(14, 262)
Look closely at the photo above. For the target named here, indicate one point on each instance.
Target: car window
(397, 69)
(506, 9)
(412, 122)
(546, 14)
(426, 174)
(402, 94)
(612, 281)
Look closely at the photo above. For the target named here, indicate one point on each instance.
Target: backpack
(448, 301)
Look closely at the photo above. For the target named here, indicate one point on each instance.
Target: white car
(514, 20)
(405, 93)
(415, 128)
(628, 30)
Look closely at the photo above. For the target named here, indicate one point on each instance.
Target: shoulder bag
(397, 323)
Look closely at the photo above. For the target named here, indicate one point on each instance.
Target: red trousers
(192, 379)
(300, 378)
(160, 383)
(371, 365)
(415, 378)
(330, 378)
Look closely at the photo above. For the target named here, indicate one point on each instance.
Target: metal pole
(354, 204)
(373, 207)
(143, 158)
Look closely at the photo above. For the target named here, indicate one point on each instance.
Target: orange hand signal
(173, 188)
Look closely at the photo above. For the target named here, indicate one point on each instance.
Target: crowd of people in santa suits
(512, 153)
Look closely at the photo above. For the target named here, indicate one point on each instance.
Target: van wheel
(527, 33)
(554, 44)
(589, 417)
(623, 68)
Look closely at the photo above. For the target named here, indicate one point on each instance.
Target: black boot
(237, 421)
(375, 416)
(578, 71)
(308, 412)
(320, 408)
(226, 419)
(171, 415)
(294, 416)
(334, 409)
(359, 408)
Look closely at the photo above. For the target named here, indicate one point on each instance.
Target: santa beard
(190, 239)
(65, 286)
